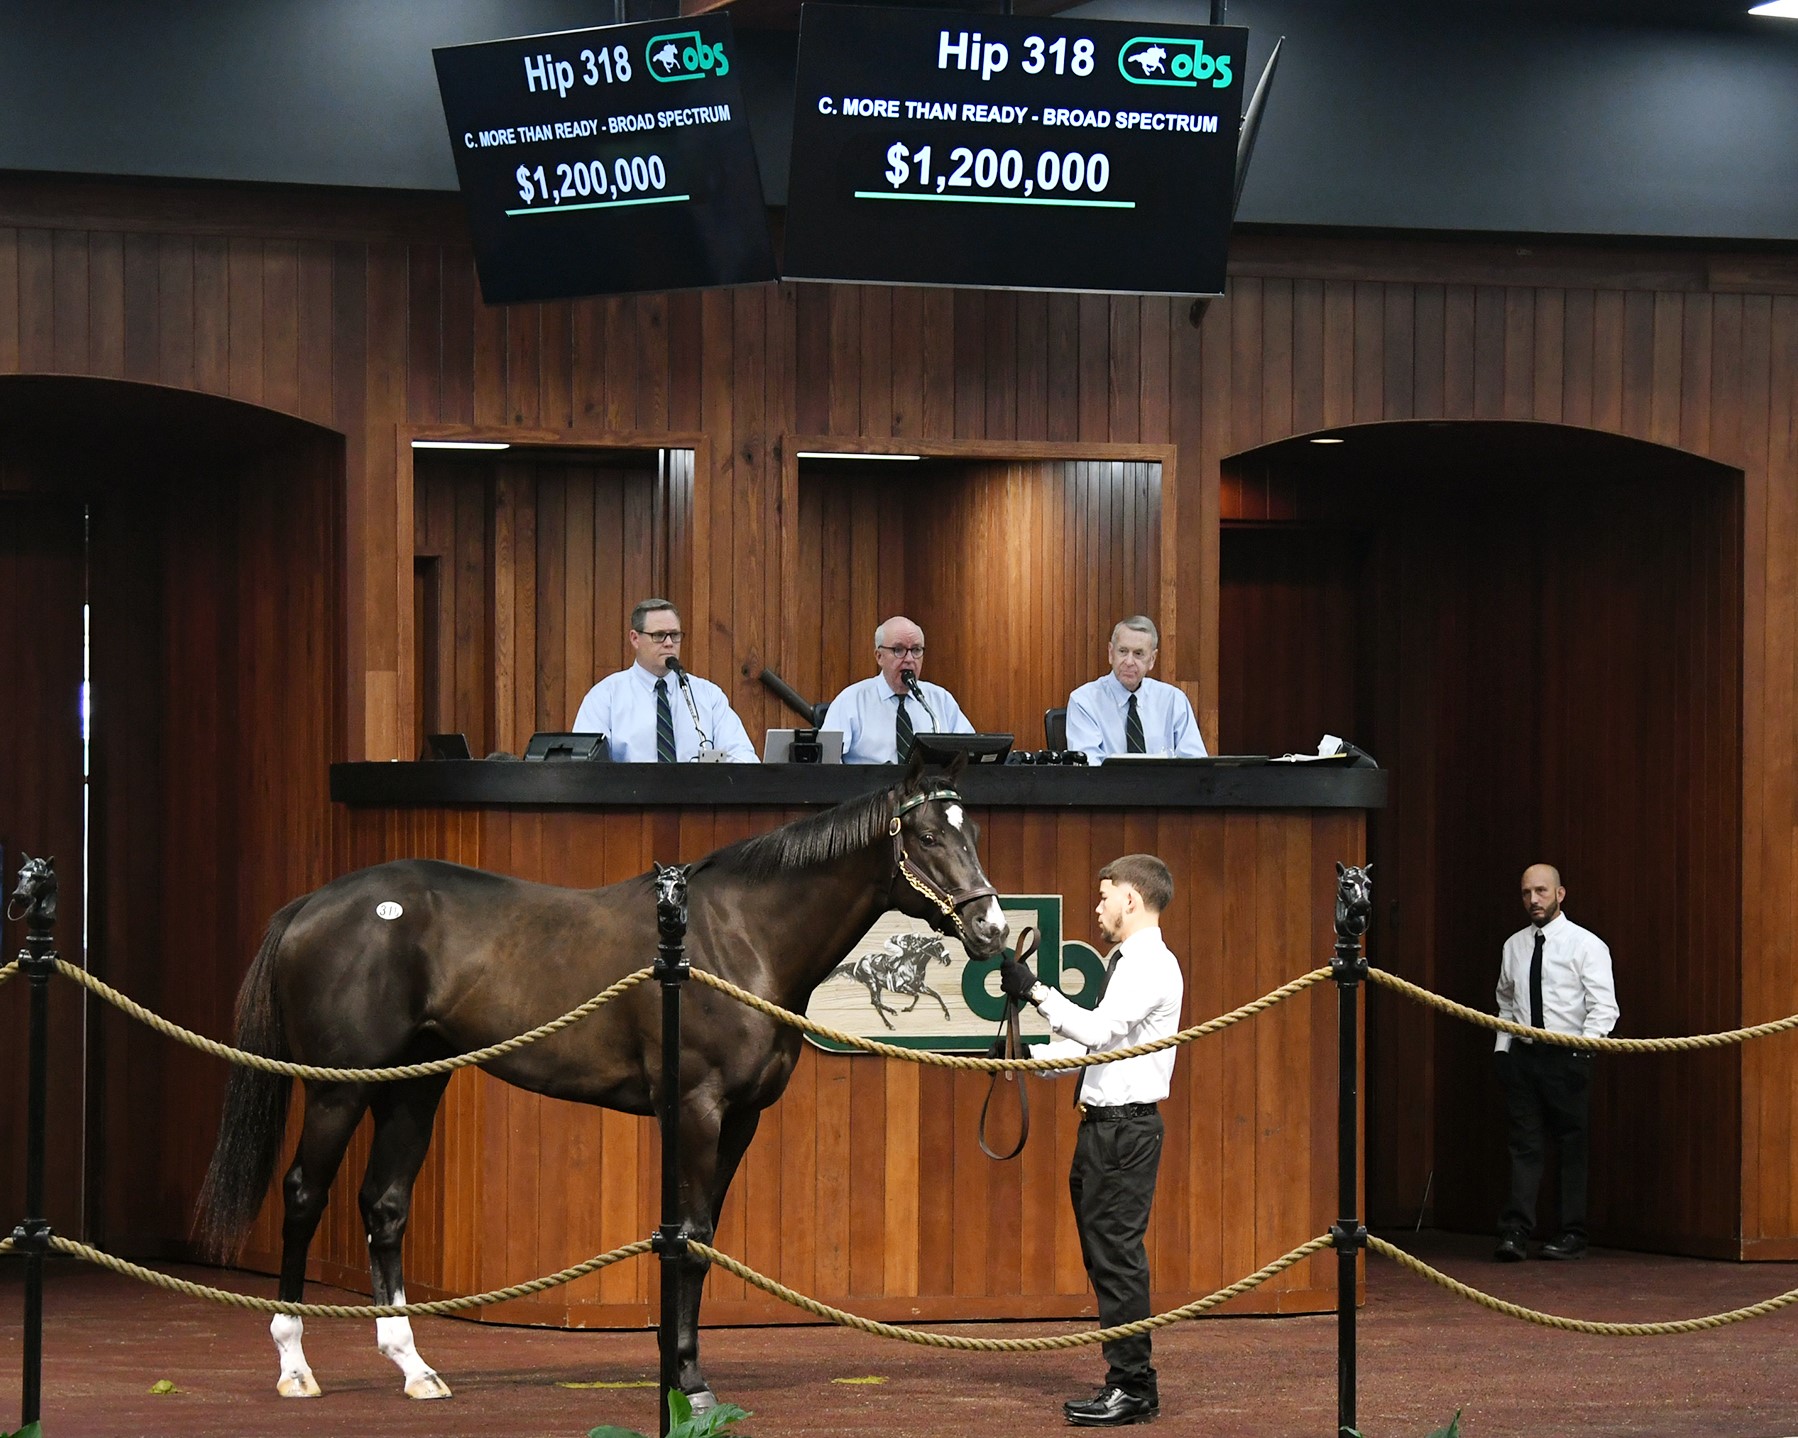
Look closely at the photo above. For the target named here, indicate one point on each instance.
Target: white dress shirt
(622, 706)
(866, 712)
(1141, 1004)
(1577, 992)
(1096, 714)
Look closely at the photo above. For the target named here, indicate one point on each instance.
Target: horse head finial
(35, 897)
(671, 900)
(1354, 900)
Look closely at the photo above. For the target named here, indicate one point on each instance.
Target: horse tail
(255, 1112)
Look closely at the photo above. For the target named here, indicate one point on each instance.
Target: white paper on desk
(1328, 747)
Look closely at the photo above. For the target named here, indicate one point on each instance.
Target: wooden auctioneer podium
(865, 1187)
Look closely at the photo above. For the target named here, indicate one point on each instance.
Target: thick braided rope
(1007, 1345)
(1578, 1041)
(312, 1071)
(171, 1284)
(1580, 1325)
(7, 972)
(964, 1061)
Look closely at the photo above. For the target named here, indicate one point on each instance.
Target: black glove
(1016, 980)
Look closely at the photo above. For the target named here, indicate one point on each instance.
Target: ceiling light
(1327, 439)
(1779, 9)
(849, 454)
(458, 444)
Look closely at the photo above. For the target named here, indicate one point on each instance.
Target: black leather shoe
(1112, 1408)
(1568, 1245)
(1510, 1249)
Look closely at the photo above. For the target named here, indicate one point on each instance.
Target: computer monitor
(446, 746)
(980, 748)
(561, 748)
(803, 746)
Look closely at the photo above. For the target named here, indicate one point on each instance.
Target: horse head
(1354, 900)
(36, 894)
(937, 875)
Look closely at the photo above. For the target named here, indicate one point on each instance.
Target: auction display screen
(606, 161)
(938, 148)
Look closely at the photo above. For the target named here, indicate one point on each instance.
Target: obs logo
(684, 56)
(1155, 60)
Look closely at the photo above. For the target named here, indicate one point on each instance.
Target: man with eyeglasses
(1125, 711)
(643, 714)
(878, 716)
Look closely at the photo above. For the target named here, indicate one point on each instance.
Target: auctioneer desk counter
(865, 1186)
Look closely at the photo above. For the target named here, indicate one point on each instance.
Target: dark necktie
(664, 725)
(1133, 743)
(902, 733)
(1111, 967)
(1536, 984)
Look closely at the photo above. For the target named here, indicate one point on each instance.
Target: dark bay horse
(416, 959)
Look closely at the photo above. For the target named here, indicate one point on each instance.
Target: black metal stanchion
(36, 899)
(1348, 966)
(670, 1241)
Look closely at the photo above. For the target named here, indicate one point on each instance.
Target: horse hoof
(298, 1385)
(704, 1401)
(427, 1385)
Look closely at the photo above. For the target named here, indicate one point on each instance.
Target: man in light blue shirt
(1126, 712)
(642, 710)
(878, 716)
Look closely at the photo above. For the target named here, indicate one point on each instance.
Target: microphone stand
(708, 751)
(910, 681)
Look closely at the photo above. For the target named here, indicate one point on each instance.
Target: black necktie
(1536, 984)
(664, 725)
(1133, 730)
(1111, 967)
(902, 733)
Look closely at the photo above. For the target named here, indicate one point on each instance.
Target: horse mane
(805, 843)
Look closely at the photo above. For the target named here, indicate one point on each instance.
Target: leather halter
(950, 904)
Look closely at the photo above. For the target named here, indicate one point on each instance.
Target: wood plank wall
(864, 1185)
(1557, 681)
(361, 314)
(1015, 570)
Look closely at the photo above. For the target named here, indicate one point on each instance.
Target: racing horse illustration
(898, 967)
(1151, 60)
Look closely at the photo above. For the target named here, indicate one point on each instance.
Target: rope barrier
(1579, 1325)
(965, 1061)
(1578, 1041)
(1008, 1345)
(312, 1071)
(7, 972)
(169, 1283)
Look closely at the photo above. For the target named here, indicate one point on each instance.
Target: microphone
(910, 681)
(679, 672)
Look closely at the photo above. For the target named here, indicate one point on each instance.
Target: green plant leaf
(680, 1409)
(609, 1430)
(163, 1386)
(1453, 1430)
(30, 1430)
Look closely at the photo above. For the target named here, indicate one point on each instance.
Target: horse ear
(1367, 868)
(957, 764)
(1340, 871)
(915, 768)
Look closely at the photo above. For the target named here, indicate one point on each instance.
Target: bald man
(1553, 975)
(877, 716)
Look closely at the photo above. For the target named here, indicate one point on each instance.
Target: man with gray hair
(877, 716)
(1125, 711)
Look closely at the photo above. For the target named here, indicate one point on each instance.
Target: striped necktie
(902, 733)
(664, 725)
(1133, 743)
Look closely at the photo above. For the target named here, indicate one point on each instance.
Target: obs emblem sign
(903, 983)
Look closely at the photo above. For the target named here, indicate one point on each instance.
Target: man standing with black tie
(1117, 1154)
(1554, 975)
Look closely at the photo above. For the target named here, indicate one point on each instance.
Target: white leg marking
(954, 813)
(296, 1379)
(393, 1336)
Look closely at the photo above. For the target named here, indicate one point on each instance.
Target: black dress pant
(1547, 1097)
(1112, 1183)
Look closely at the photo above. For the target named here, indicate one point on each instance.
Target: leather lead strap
(1014, 1049)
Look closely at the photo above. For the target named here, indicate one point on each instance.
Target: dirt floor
(1423, 1354)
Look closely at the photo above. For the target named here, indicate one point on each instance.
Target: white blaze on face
(954, 813)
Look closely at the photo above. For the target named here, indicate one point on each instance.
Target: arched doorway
(170, 572)
(1537, 631)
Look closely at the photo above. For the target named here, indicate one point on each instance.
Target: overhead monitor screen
(937, 148)
(606, 161)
